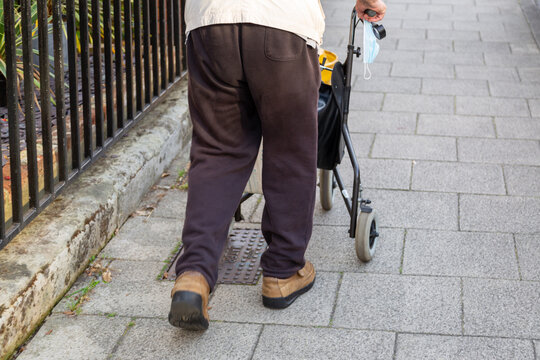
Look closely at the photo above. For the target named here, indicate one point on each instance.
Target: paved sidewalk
(448, 136)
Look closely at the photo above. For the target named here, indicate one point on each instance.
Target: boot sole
(187, 312)
(284, 302)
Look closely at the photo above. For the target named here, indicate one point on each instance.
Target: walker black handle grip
(370, 13)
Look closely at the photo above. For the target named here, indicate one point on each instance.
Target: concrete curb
(42, 262)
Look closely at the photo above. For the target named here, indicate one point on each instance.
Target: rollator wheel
(367, 233)
(326, 188)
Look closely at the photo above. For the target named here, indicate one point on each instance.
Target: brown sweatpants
(248, 81)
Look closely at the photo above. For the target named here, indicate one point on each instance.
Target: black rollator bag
(331, 144)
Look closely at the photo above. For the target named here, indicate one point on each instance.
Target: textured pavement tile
(458, 177)
(331, 249)
(454, 87)
(287, 342)
(429, 104)
(389, 55)
(534, 105)
(145, 239)
(129, 271)
(518, 128)
(423, 70)
(414, 209)
(450, 253)
(426, 347)
(522, 180)
(521, 60)
(486, 73)
(362, 144)
(502, 35)
(387, 85)
(456, 125)
(399, 303)
(378, 173)
(428, 24)
(532, 74)
(501, 308)
(452, 58)
(243, 303)
(408, 33)
(528, 249)
(79, 337)
(424, 44)
(514, 89)
(173, 205)
(481, 46)
(156, 339)
(499, 213)
(468, 105)
(525, 48)
(137, 298)
(478, 26)
(498, 151)
(382, 122)
(366, 101)
(414, 147)
(453, 35)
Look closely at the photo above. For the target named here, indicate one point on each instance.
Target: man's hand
(376, 5)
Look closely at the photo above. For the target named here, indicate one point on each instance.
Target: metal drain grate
(240, 261)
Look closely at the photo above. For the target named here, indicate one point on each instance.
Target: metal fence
(76, 76)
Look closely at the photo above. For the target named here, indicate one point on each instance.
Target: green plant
(81, 296)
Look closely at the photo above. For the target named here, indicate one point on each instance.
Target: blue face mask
(371, 48)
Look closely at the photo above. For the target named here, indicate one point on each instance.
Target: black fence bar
(96, 56)
(107, 39)
(85, 75)
(129, 58)
(138, 39)
(30, 123)
(73, 86)
(118, 63)
(155, 49)
(162, 44)
(147, 55)
(48, 167)
(138, 54)
(63, 172)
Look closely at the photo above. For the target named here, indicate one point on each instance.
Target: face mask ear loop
(367, 72)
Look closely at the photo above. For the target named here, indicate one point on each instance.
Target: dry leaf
(69, 313)
(164, 175)
(48, 332)
(107, 277)
(166, 275)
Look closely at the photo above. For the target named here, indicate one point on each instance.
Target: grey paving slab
(520, 60)
(481, 46)
(379, 173)
(428, 104)
(389, 55)
(408, 33)
(458, 177)
(518, 128)
(387, 85)
(499, 213)
(468, 105)
(451, 253)
(156, 339)
(128, 271)
(478, 26)
(143, 238)
(418, 70)
(428, 24)
(534, 105)
(453, 34)
(456, 125)
(75, 337)
(501, 308)
(502, 35)
(424, 347)
(537, 347)
(331, 249)
(366, 100)
(172, 205)
(499, 151)
(452, 58)
(486, 73)
(425, 44)
(399, 303)
(243, 303)
(525, 48)
(522, 180)
(414, 209)
(382, 122)
(414, 147)
(529, 74)
(514, 89)
(455, 87)
(528, 250)
(362, 144)
(137, 298)
(287, 342)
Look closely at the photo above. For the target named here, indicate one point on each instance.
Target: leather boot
(189, 306)
(280, 293)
